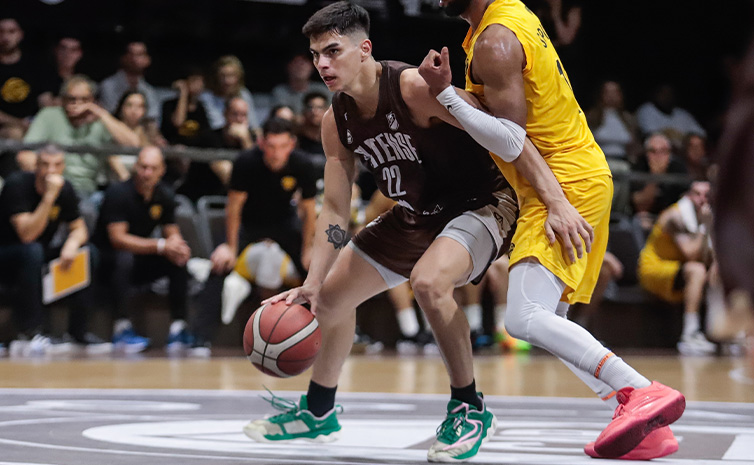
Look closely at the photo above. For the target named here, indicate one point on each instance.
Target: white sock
(474, 315)
(603, 391)
(534, 305)
(690, 323)
(407, 321)
(177, 326)
(500, 316)
(121, 324)
(716, 309)
(618, 374)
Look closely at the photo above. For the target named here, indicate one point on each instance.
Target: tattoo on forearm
(337, 236)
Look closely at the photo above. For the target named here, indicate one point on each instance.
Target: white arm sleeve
(501, 136)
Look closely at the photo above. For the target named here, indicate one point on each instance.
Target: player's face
(338, 58)
(455, 7)
(699, 194)
(277, 149)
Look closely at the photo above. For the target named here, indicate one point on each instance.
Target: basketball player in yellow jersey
(514, 71)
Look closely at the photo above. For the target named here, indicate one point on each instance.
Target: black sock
(320, 399)
(468, 395)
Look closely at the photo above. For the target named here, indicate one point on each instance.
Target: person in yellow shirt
(514, 72)
(677, 263)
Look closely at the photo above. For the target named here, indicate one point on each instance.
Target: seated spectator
(184, 119)
(32, 207)
(614, 128)
(615, 131)
(132, 111)
(310, 129)
(299, 82)
(133, 62)
(662, 115)
(131, 254)
(80, 121)
(677, 262)
(21, 80)
(68, 52)
(212, 178)
(283, 112)
(227, 80)
(652, 197)
(259, 207)
(694, 151)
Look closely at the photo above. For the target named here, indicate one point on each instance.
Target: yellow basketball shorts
(592, 197)
(659, 277)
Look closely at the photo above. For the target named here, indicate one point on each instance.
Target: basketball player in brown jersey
(452, 217)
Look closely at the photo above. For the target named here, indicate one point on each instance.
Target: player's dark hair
(342, 18)
(277, 126)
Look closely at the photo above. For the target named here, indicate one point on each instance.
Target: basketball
(282, 340)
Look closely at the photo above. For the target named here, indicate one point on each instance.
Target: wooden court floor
(723, 379)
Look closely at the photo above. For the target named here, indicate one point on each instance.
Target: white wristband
(503, 137)
(160, 245)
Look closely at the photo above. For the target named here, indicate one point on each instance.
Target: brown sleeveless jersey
(431, 172)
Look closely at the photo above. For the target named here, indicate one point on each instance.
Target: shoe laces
(288, 407)
(447, 429)
(623, 397)
(279, 403)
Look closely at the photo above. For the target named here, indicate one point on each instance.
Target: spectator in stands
(227, 80)
(662, 115)
(133, 254)
(677, 263)
(694, 151)
(310, 130)
(132, 111)
(299, 82)
(32, 207)
(614, 128)
(259, 207)
(283, 112)
(212, 178)
(649, 198)
(184, 119)
(67, 53)
(80, 121)
(21, 81)
(133, 62)
(616, 133)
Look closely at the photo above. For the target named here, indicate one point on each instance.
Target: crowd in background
(213, 109)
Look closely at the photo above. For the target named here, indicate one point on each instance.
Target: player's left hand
(67, 254)
(565, 223)
(435, 69)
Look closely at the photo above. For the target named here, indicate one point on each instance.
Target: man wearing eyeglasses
(80, 121)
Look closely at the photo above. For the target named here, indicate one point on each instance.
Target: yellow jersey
(554, 121)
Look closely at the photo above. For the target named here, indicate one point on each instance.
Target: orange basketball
(282, 340)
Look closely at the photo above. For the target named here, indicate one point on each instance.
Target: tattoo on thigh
(337, 236)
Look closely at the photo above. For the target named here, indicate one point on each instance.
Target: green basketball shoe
(295, 423)
(464, 430)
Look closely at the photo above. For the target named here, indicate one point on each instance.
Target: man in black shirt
(131, 254)
(20, 79)
(262, 188)
(32, 207)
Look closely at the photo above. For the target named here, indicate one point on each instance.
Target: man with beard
(513, 69)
